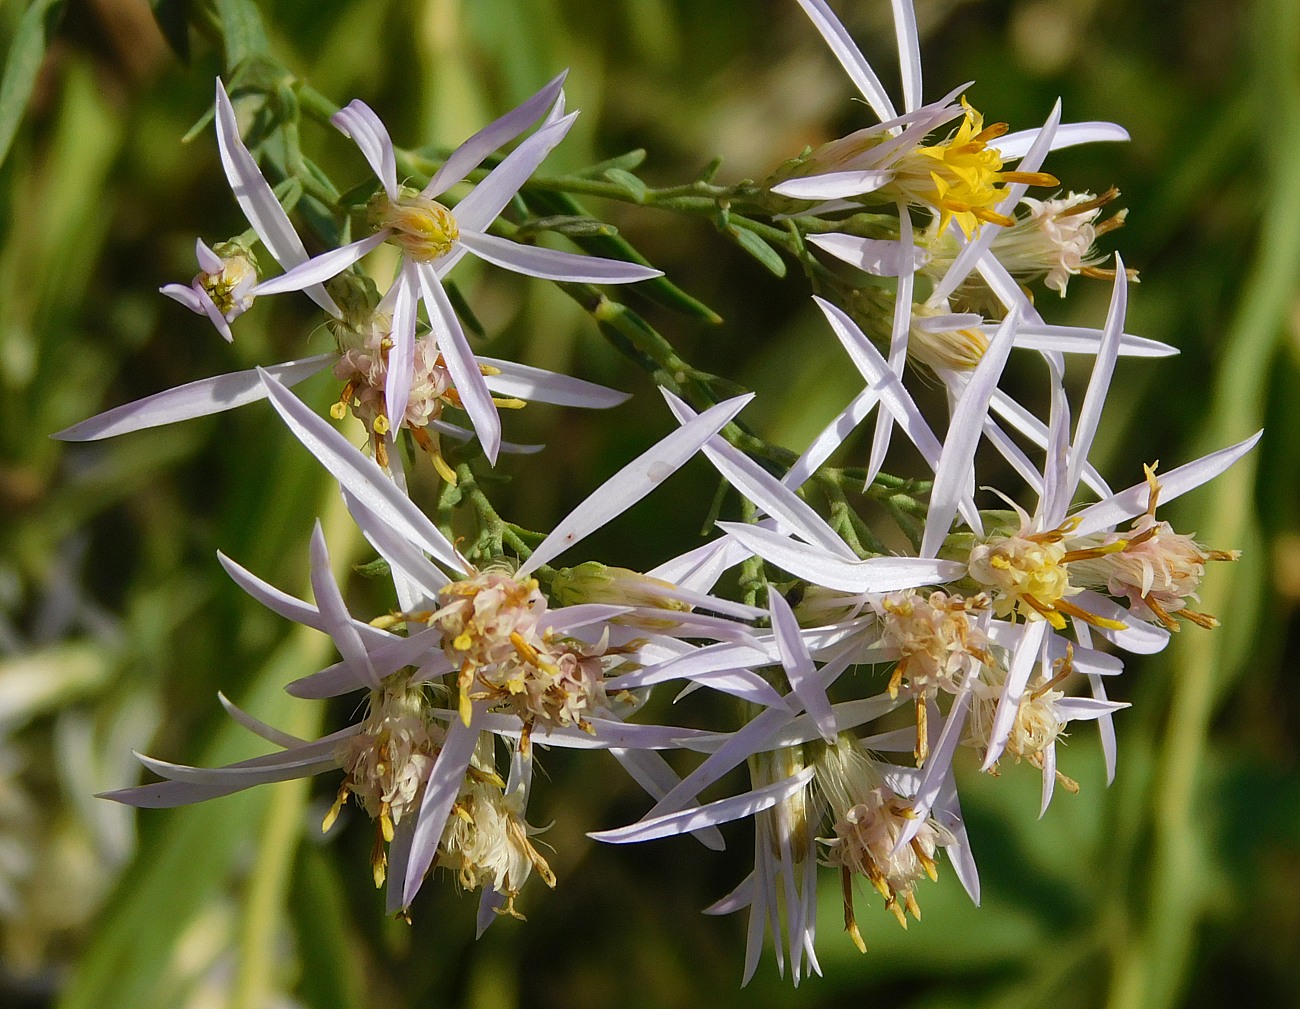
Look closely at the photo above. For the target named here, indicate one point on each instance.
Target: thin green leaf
(634, 186)
(758, 248)
(241, 24)
(566, 224)
(628, 162)
(26, 54)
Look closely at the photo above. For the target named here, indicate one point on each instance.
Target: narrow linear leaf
(241, 24)
(628, 162)
(634, 186)
(759, 249)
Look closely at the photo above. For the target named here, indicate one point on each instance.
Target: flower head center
(423, 228)
(228, 287)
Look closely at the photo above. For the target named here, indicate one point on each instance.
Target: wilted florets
(365, 370)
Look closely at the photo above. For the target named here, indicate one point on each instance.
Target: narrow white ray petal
(209, 261)
(197, 399)
(649, 770)
(539, 386)
(938, 765)
(361, 476)
(334, 611)
(1055, 499)
(850, 57)
(758, 910)
(481, 207)
(703, 601)
(958, 320)
(1105, 723)
(489, 907)
(1022, 664)
(742, 896)
(258, 202)
(440, 791)
(551, 264)
(1016, 145)
(1130, 503)
(402, 555)
(1005, 287)
(897, 346)
(722, 811)
(893, 396)
(767, 905)
(697, 662)
(809, 911)
(700, 569)
(1036, 431)
(834, 185)
(909, 53)
(462, 364)
(875, 574)
(634, 481)
(1011, 452)
(765, 490)
(209, 308)
(1083, 709)
(462, 435)
(957, 460)
(832, 436)
(401, 356)
(877, 256)
(574, 618)
(323, 267)
(399, 857)
(1085, 428)
(255, 725)
(1081, 340)
(422, 648)
(976, 250)
(358, 122)
(288, 765)
(469, 155)
(948, 813)
(799, 667)
(790, 895)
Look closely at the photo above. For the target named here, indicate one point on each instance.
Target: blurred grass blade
(22, 65)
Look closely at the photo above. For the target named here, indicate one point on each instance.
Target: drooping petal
(185, 295)
(361, 476)
(469, 155)
(197, 399)
(634, 481)
(358, 122)
(649, 770)
(258, 202)
(551, 264)
(255, 725)
(1022, 664)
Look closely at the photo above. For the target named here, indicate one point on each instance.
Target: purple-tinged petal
(1138, 636)
(209, 261)
(481, 207)
(850, 57)
(358, 122)
(1034, 429)
(258, 727)
(768, 493)
(897, 346)
(462, 435)
(742, 896)
(323, 267)
(649, 770)
(361, 476)
(722, 811)
(440, 791)
(214, 315)
(551, 264)
(185, 294)
(799, 668)
(1081, 340)
(197, 399)
(402, 555)
(1105, 723)
(334, 611)
(1085, 428)
(909, 53)
(258, 202)
(1054, 501)
(462, 364)
(1016, 145)
(469, 155)
(538, 386)
(1130, 503)
(634, 481)
(831, 437)
(386, 657)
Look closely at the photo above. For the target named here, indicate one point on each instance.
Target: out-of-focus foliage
(1174, 887)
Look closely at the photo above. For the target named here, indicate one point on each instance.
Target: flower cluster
(860, 673)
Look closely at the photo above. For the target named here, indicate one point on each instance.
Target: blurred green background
(1178, 886)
